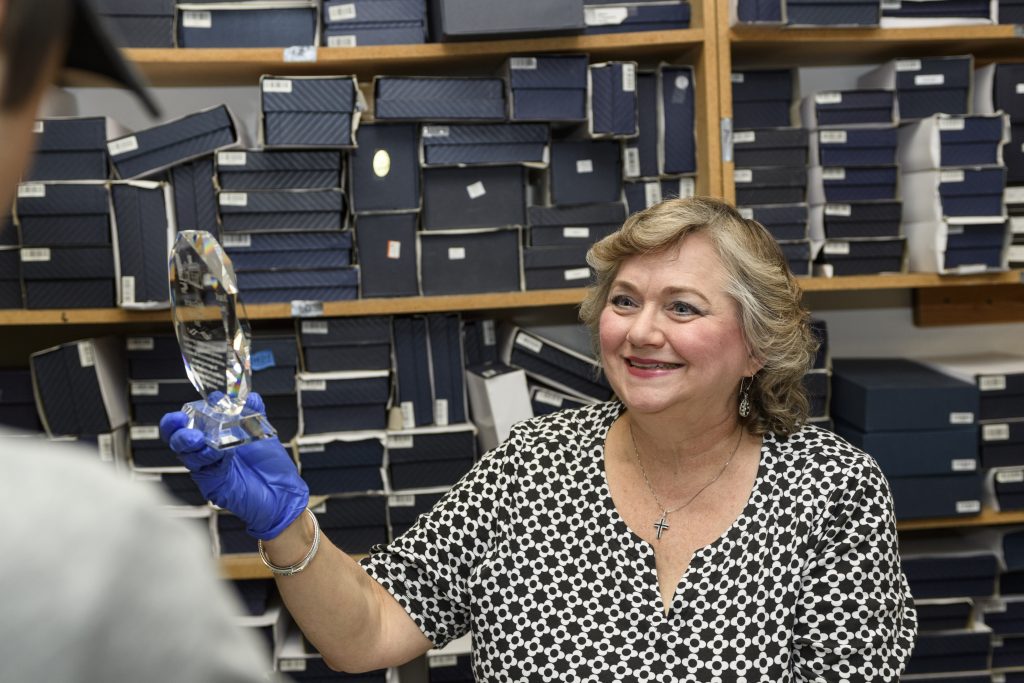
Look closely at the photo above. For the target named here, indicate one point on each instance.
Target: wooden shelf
(986, 518)
(483, 302)
(779, 46)
(249, 566)
(240, 66)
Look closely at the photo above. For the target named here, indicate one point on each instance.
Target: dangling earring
(745, 398)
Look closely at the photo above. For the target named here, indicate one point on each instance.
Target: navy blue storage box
(475, 197)
(412, 370)
(859, 183)
(556, 267)
(70, 149)
(485, 144)
(770, 185)
(761, 99)
(856, 147)
(585, 172)
(548, 88)
(783, 221)
(139, 23)
(342, 466)
(950, 652)
(939, 85)
(386, 244)
(469, 261)
(568, 225)
(831, 13)
(976, 143)
(63, 214)
(912, 453)
(256, 169)
(613, 100)
(439, 99)
(973, 192)
(346, 344)
(311, 111)
(294, 23)
(349, 23)
(864, 257)
(341, 402)
(629, 17)
(640, 154)
(144, 236)
(355, 524)
(678, 138)
(863, 219)
(466, 19)
(385, 174)
(556, 365)
(770, 147)
(264, 287)
(432, 456)
(951, 576)
(847, 107)
(195, 196)
(281, 210)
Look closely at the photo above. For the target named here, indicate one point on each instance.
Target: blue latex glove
(257, 481)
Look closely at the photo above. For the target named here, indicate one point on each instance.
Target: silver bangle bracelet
(293, 569)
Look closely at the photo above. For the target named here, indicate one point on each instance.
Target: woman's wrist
(292, 544)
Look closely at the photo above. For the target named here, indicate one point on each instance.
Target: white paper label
(436, 131)
(929, 79)
(38, 127)
(291, 665)
(744, 137)
(604, 16)
(144, 388)
(341, 12)
(628, 78)
(652, 193)
(233, 199)
(312, 385)
(403, 501)
(737, 77)
(908, 64)
(968, 507)
(489, 334)
(441, 661)
(400, 442)
(1010, 477)
(35, 254)
(992, 382)
(312, 448)
(1014, 195)
(746, 212)
(105, 445)
(833, 173)
(231, 158)
(956, 176)
(952, 124)
(961, 418)
(145, 433)
(838, 210)
(408, 414)
(441, 412)
(456, 253)
(342, 41)
(576, 274)
(631, 162)
(31, 191)
(837, 248)
(995, 432)
(682, 82)
(548, 398)
(832, 137)
(139, 344)
(584, 166)
(522, 63)
(278, 85)
(197, 19)
(828, 98)
(122, 146)
(576, 233)
(894, 5)
(743, 175)
(236, 241)
(476, 190)
(1019, 88)
(964, 465)
(527, 342)
(394, 250)
(299, 53)
(314, 327)
(127, 289)
(86, 354)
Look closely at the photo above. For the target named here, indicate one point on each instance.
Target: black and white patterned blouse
(529, 553)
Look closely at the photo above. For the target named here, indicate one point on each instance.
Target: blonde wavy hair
(775, 325)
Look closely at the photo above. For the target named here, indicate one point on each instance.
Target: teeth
(653, 366)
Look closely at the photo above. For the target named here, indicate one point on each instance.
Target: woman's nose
(645, 330)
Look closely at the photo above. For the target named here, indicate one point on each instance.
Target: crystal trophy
(209, 321)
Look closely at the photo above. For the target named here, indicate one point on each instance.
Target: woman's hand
(258, 481)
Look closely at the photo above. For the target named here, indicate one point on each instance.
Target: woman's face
(670, 335)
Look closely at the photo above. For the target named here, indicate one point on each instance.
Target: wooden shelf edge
(987, 517)
(779, 34)
(248, 566)
(483, 302)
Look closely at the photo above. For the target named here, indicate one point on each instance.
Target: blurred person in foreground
(97, 582)
(693, 528)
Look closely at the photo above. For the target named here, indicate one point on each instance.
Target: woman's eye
(621, 300)
(682, 308)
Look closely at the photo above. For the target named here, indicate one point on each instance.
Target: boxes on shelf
(480, 341)
(63, 214)
(762, 99)
(643, 194)
(139, 23)
(386, 244)
(636, 15)
(862, 256)
(545, 401)
(856, 220)
(836, 184)
(154, 358)
(63, 374)
(569, 225)
(677, 153)
(612, 110)
(343, 401)
(962, 195)
(556, 267)
(333, 284)
(757, 11)
(384, 167)
(279, 23)
(771, 184)
(149, 452)
(10, 278)
(923, 13)
(466, 19)
(854, 147)
(428, 369)
(72, 148)
(585, 172)
(68, 277)
(817, 385)
(281, 210)
(345, 462)
(832, 108)
(640, 154)
(498, 398)
(947, 247)
(798, 256)
(195, 195)
(926, 86)
(951, 651)
(354, 523)
(548, 88)
(17, 402)
(485, 144)
(949, 566)
(858, 13)
(183, 139)
(941, 141)
(436, 98)
(372, 22)
(554, 363)
(309, 111)
(152, 399)
(470, 261)
(785, 222)
(473, 197)
(143, 228)
(999, 377)
(346, 344)
(944, 614)
(428, 457)
(405, 509)
(257, 169)
(770, 147)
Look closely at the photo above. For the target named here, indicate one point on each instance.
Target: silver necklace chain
(662, 525)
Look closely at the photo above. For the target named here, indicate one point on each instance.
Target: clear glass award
(214, 337)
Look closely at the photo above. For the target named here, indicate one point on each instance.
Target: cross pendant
(661, 525)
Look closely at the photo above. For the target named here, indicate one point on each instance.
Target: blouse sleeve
(855, 618)
(428, 568)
